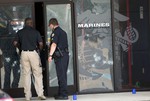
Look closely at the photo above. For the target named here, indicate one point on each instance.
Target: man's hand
(15, 43)
(50, 59)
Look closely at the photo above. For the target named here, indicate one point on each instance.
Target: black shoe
(59, 97)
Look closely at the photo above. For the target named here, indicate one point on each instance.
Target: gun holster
(58, 53)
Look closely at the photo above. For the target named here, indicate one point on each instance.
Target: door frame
(51, 91)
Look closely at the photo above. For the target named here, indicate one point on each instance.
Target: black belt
(28, 50)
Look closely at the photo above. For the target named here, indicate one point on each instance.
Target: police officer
(29, 40)
(59, 51)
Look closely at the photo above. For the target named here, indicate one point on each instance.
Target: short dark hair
(53, 21)
(28, 21)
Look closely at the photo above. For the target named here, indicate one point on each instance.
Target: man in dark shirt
(29, 40)
(59, 51)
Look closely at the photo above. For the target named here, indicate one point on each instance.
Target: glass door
(63, 12)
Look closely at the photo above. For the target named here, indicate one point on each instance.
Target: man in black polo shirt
(59, 51)
(29, 40)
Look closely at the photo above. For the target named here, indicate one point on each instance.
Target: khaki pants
(32, 65)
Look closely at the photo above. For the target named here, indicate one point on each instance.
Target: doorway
(63, 11)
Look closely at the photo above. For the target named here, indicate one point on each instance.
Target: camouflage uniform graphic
(11, 62)
(10, 57)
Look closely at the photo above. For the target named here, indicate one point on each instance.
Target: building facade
(108, 44)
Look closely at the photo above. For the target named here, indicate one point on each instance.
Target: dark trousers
(61, 70)
(11, 62)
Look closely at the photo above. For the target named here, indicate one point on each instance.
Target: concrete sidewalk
(125, 96)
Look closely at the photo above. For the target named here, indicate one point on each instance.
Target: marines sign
(93, 25)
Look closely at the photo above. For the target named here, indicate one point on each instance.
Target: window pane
(63, 14)
(11, 20)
